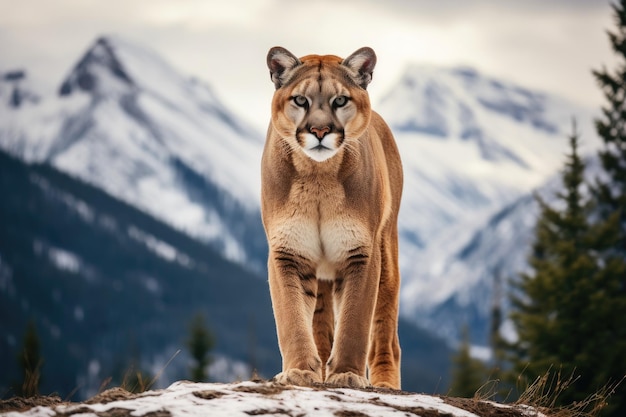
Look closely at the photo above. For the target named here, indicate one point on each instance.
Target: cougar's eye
(301, 101)
(340, 101)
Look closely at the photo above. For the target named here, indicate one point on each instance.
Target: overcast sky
(549, 45)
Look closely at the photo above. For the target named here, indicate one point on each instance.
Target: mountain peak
(439, 98)
(86, 75)
(115, 66)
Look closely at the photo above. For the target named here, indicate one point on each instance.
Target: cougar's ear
(362, 64)
(280, 62)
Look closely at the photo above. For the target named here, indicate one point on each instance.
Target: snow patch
(161, 248)
(65, 260)
(482, 353)
(6, 279)
(83, 209)
(79, 313)
(152, 285)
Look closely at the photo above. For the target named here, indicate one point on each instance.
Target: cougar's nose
(320, 132)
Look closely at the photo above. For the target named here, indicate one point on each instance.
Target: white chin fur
(312, 150)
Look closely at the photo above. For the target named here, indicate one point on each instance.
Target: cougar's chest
(319, 226)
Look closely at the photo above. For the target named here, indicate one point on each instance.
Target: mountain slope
(474, 148)
(127, 122)
(110, 287)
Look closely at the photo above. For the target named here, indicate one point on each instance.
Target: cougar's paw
(385, 385)
(298, 377)
(347, 380)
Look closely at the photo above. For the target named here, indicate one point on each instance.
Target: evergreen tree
(30, 362)
(610, 193)
(611, 127)
(468, 374)
(495, 340)
(200, 343)
(562, 312)
(497, 373)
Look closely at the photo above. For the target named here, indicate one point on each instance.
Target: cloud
(445, 9)
(546, 45)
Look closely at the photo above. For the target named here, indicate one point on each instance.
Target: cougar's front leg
(384, 354)
(324, 322)
(293, 288)
(355, 297)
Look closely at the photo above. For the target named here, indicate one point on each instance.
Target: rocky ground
(259, 398)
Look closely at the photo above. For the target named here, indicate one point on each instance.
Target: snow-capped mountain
(473, 148)
(470, 144)
(481, 264)
(128, 122)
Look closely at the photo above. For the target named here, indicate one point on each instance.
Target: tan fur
(331, 223)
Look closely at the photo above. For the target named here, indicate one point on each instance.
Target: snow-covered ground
(187, 399)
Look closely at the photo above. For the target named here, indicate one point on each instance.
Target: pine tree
(610, 193)
(468, 374)
(495, 340)
(558, 310)
(497, 372)
(611, 127)
(30, 362)
(200, 343)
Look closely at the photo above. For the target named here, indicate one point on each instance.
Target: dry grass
(488, 391)
(543, 395)
(30, 386)
(136, 381)
(544, 392)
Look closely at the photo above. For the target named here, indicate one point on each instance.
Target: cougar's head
(320, 104)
